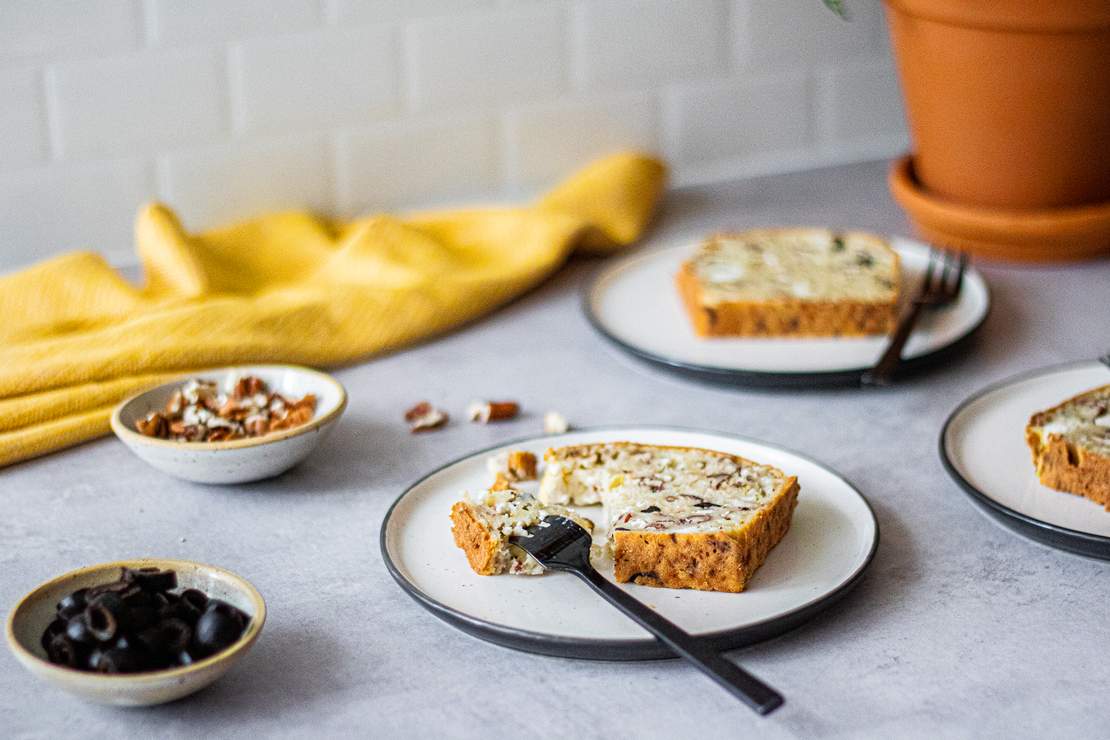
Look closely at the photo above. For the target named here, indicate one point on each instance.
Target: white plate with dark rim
(982, 446)
(829, 545)
(635, 305)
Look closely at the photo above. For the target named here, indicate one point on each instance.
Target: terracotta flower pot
(1008, 103)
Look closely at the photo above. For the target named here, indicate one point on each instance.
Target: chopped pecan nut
(154, 425)
(500, 483)
(554, 423)
(484, 412)
(424, 417)
(248, 386)
(521, 465)
(199, 412)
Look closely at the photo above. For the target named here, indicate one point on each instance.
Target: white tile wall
(415, 162)
(481, 59)
(62, 207)
(226, 108)
(264, 173)
(206, 21)
(47, 30)
(318, 79)
(740, 123)
(149, 101)
(22, 124)
(542, 138)
(637, 43)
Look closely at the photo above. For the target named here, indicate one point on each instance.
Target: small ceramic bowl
(30, 616)
(237, 460)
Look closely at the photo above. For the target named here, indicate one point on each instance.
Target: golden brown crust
(706, 561)
(782, 318)
(1068, 468)
(473, 538)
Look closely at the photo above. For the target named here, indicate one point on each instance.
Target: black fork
(943, 279)
(560, 544)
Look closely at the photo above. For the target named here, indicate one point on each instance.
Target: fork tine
(946, 274)
(959, 281)
(927, 283)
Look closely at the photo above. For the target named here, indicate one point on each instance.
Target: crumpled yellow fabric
(76, 338)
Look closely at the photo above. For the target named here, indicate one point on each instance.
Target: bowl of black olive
(136, 633)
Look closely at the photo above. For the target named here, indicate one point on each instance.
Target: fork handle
(883, 372)
(743, 685)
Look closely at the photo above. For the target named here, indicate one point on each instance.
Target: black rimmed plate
(829, 545)
(982, 445)
(634, 304)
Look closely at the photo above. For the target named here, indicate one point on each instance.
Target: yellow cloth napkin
(76, 338)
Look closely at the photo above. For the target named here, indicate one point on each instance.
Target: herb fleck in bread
(482, 527)
(1071, 445)
(791, 282)
(679, 517)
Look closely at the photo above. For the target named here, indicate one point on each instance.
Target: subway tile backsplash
(227, 108)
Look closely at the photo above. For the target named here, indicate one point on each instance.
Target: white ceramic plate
(983, 447)
(830, 543)
(635, 304)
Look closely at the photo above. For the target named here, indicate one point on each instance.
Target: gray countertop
(960, 627)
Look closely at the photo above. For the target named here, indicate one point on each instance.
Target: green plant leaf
(836, 6)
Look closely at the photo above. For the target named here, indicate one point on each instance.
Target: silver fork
(560, 544)
(943, 279)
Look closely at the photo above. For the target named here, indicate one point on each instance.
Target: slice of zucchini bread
(1071, 445)
(791, 282)
(679, 517)
(482, 526)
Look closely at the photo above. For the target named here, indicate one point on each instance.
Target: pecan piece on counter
(423, 417)
(554, 423)
(484, 412)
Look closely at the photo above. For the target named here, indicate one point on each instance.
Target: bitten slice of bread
(679, 517)
(482, 527)
(1071, 445)
(791, 282)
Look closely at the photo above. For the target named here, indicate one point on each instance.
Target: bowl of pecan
(231, 425)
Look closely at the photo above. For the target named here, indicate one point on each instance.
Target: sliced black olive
(228, 609)
(707, 505)
(838, 244)
(103, 616)
(178, 610)
(117, 660)
(185, 658)
(151, 579)
(64, 651)
(865, 260)
(216, 629)
(194, 598)
(650, 510)
(139, 618)
(135, 597)
(176, 635)
(93, 661)
(115, 587)
(72, 604)
(57, 627)
(77, 629)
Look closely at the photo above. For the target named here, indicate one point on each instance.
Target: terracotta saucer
(1050, 235)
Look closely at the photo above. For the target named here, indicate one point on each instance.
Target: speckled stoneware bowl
(238, 460)
(30, 616)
